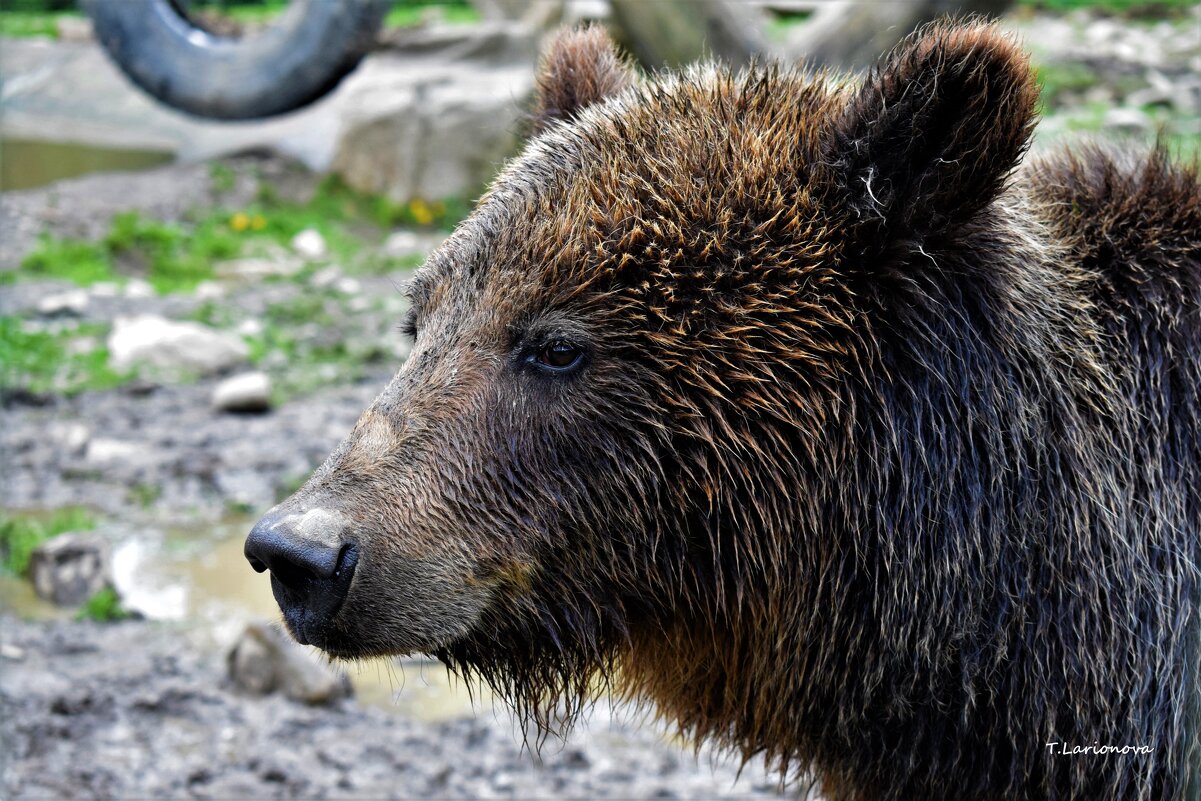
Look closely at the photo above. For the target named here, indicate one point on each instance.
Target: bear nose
(274, 546)
(310, 577)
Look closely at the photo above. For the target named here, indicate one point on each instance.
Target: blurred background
(196, 302)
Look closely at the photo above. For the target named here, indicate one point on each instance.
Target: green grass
(27, 18)
(222, 177)
(83, 263)
(1124, 7)
(1058, 80)
(45, 362)
(172, 257)
(176, 257)
(103, 607)
(20, 534)
(407, 14)
(145, 494)
(26, 24)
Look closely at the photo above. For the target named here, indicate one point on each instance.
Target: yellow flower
(239, 222)
(422, 214)
(258, 222)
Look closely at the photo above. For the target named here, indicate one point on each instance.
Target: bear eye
(559, 354)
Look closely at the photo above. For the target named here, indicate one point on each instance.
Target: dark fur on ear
(579, 67)
(931, 136)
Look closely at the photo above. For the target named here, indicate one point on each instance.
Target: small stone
(73, 302)
(254, 269)
(348, 286)
(247, 392)
(105, 289)
(401, 244)
(78, 346)
(173, 346)
(1129, 120)
(110, 451)
(209, 290)
(11, 652)
(70, 568)
(310, 244)
(137, 288)
(250, 328)
(265, 660)
(73, 29)
(327, 277)
(72, 436)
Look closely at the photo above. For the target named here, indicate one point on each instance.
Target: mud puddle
(29, 163)
(198, 575)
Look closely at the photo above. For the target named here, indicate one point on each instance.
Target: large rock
(70, 568)
(264, 660)
(439, 129)
(173, 346)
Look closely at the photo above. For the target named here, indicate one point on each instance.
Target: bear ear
(935, 130)
(579, 67)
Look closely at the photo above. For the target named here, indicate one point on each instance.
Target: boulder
(245, 392)
(70, 568)
(173, 346)
(265, 660)
(438, 129)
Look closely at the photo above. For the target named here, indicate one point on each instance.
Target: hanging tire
(297, 58)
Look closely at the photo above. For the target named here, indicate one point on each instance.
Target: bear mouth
(311, 603)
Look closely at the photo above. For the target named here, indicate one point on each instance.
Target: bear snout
(311, 567)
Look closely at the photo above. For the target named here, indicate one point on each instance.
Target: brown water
(199, 574)
(28, 163)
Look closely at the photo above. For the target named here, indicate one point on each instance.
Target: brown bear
(791, 404)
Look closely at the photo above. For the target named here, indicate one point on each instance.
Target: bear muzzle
(311, 567)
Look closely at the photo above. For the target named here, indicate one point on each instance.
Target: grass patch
(63, 362)
(1134, 8)
(145, 494)
(103, 607)
(1058, 80)
(176, 257)
(26, 24)
(222, 177)
(83, 263)
(407, 13)
(172, 258)
(20, 534)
